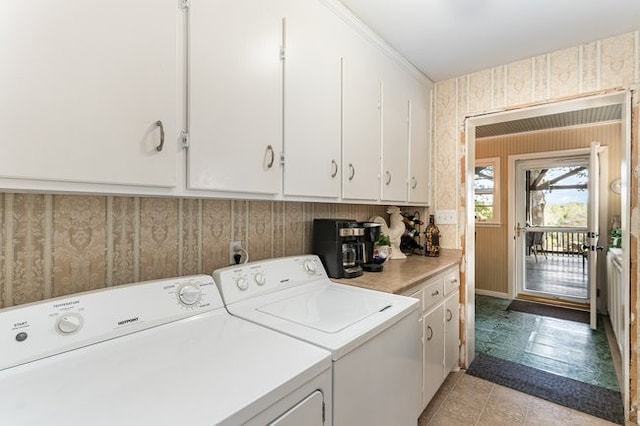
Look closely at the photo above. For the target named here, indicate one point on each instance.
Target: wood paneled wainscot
(436, 282)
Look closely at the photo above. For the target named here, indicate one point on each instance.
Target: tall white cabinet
(395, 134)
(88, 91)
(361, 126)
(312, 84)
(235, 95)
(420, 143)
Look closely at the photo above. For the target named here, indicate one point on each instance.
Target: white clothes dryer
(374, 337)
(162, 352)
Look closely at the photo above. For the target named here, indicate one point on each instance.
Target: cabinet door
(420, 144)
(83, 85)
(433, 367)
(361, 120)
(395, 134)
(235, 95)
(312, 100)
(451, 332)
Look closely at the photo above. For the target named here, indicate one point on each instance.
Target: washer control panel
(33, 331)
(253, 279)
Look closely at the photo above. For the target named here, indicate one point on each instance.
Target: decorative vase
(432, 239)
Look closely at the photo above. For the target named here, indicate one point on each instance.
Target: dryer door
(309, 411)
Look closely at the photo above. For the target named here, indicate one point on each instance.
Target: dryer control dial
(310, 267)
(69, 323)
(242, 283)
(189, 293)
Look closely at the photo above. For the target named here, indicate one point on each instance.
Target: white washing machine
(162, 352)
(374, 337)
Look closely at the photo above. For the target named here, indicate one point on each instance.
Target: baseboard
(492, 293)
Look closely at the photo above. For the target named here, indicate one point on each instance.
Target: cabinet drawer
(451, 282)
(432, 294)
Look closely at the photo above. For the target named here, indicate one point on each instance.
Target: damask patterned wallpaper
(612, 63)
(52, 245)
(605, 64)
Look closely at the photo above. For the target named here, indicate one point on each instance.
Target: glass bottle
(432, 239)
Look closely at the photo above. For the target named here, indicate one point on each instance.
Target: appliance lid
(207, 369)
(329, 309)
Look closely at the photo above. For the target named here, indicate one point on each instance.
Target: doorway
(555, 113)
(559, 212)
(551, 218)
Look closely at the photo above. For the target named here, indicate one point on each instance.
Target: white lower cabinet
(440, 329)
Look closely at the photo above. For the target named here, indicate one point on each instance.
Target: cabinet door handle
(159, 147)
(449, 315)
(388, 177)
(334, 168)
(430, 334)
(352, 171)
(435, 293)
(414, 182)
(273, 156)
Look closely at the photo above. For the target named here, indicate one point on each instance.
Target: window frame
(495, 162)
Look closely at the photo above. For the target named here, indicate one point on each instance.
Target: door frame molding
(579, 102)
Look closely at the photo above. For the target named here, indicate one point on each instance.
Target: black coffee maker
(371, 235)
(340, 245)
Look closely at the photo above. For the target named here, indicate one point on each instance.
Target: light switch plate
(446, 217)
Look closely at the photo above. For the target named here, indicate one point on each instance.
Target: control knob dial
(69, 323)
(259, 278)
(310, 267)
(189, 293)
(242, 283)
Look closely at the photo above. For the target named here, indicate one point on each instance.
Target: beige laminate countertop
(399, 275)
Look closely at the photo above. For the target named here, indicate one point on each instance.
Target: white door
(593, 232)
(420, 144)
(235, 97)
(555, 221)
(312, 80)
(395, 134)
(361, 121)
(88, 91)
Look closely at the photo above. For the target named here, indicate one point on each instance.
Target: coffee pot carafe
(371, 234)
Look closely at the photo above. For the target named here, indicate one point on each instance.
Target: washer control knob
(310, 267)
(242, 283)
(189, 293)
(69, 323)
(259, 278)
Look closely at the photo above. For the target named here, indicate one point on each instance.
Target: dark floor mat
(595, 400)
(549, 311)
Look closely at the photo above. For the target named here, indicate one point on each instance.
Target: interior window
(486, 187)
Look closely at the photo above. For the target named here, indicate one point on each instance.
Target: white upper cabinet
(361, 120)
(395, 134)
(235, 108)
(312, 81)
(88, 90)
(420, 144)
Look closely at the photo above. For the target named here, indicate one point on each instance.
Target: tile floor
(567, 348)
(467, 400)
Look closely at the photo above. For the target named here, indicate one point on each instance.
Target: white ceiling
(448, 38)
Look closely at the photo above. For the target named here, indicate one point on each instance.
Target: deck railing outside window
(563, 243)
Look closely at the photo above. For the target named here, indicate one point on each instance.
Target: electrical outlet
(234, 248)
(446, 217)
